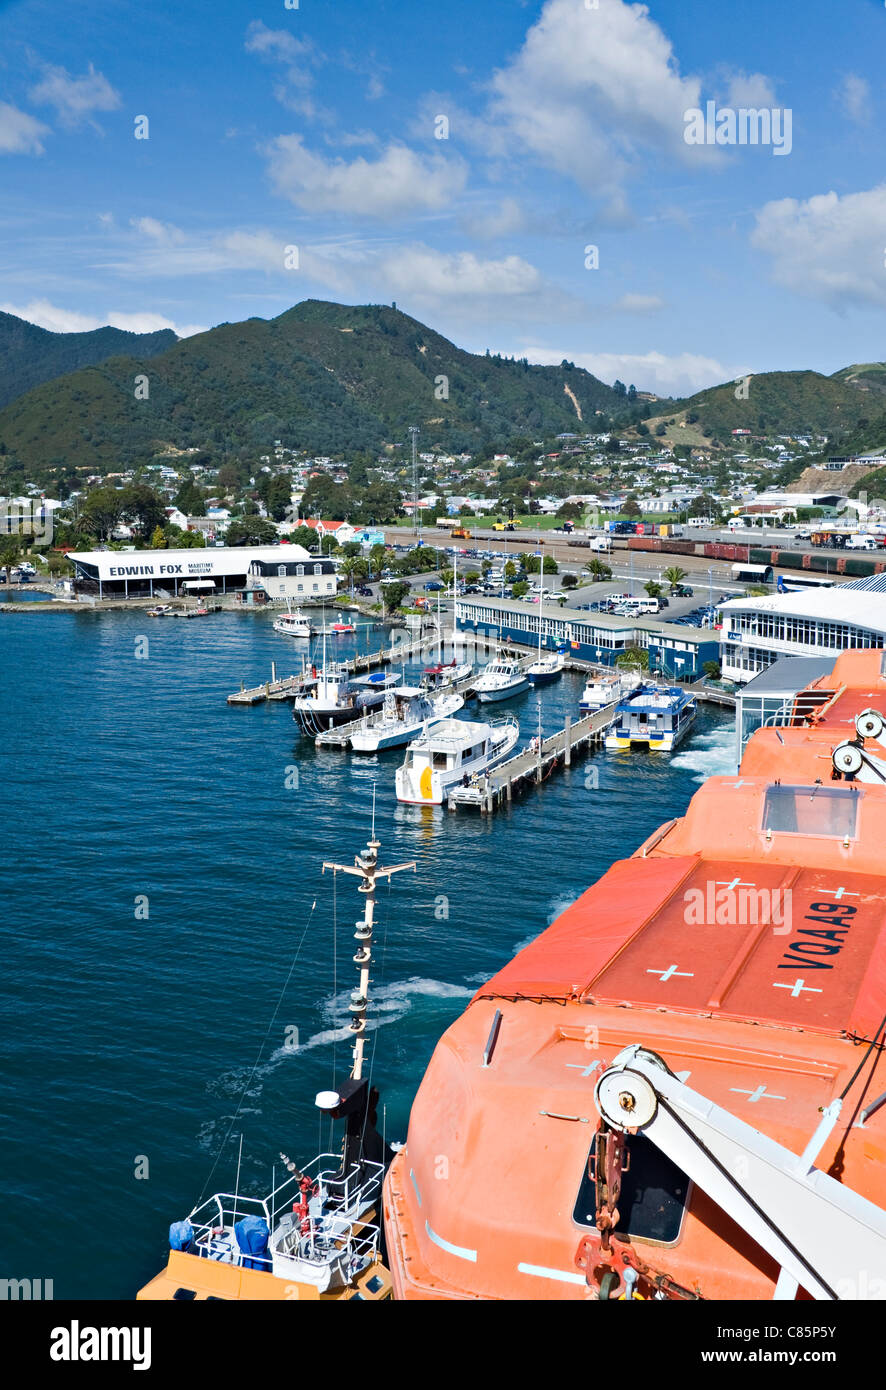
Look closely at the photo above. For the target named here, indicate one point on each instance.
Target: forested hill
(323, 377)
(30, 355)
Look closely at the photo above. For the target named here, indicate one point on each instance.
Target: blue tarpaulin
(181, 1235)
(252, 1237)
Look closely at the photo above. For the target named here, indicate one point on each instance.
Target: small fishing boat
(406, 711)
(456, 751)
(337, 697)
(294, 625)
(500, 679)
(656, 717)
(604, 690)
(316, 1234)
(445, 674)
(342, 626)
(160, 610)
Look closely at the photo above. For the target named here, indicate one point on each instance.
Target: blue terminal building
(675, 651)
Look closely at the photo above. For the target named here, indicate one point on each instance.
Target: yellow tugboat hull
(190, 1277)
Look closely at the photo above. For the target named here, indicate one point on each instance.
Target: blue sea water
(140, 1044)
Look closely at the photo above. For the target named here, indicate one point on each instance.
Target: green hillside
(30, 355)
(323, 377)
(864, 376)
(777, 403)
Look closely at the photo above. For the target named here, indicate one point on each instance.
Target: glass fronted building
(818, 622)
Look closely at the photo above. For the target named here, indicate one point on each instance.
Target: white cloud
(399, 181)
(57, 320)
(504, 220)
(74, 98)
(589, 88)
(854, 96)
(639, 303)
(296, 56)
(829, 247)
(679, 374)
(750, 89)
(424, 272)
(19, 132)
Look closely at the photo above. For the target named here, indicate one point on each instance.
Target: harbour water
(160, 880)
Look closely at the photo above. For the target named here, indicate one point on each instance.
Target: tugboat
(316, 1235)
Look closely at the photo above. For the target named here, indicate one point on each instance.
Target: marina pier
(534, 765)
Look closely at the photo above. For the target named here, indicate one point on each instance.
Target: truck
(460, 533)
(862, 543)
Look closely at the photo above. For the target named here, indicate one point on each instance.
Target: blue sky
(315, 127)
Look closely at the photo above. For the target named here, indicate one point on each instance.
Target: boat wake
(711, 755)
(390, 1003)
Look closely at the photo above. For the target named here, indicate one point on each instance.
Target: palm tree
(653, 588)
(597, 570)
(675, 575)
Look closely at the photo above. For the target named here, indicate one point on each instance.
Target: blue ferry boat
(654, 716)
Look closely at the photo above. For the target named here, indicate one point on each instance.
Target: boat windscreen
(831, 811)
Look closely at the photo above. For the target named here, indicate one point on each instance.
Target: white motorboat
(604, 690)
(294, 625)
(500, 680)
(652, 716)
(456, 751)
(545, 668)
(406, 712)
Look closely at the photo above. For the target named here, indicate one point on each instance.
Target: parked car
(364, 591)
(433, 585)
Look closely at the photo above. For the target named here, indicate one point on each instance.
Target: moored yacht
(454, 752)
(406, 712)
(500, 680)
(445, 674)
(294, 625)
(656, 717)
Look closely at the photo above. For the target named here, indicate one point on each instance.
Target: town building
(166, 573)
(814, 622)
(674, 651)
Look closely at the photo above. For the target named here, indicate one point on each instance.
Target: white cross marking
(736, 883)
(797, 988)
(740, 783)
(585, 1071)
(756, 1095)
(839, 892)
(671, 970)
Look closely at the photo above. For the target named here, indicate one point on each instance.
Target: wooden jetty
(534, 765)
(287, 687)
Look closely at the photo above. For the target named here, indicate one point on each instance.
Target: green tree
(158, 539)
(142, 508)
(598, 571)
(101, 511)
(631, 507)
(10, 554)
(570, 581)
(674, 575)
(521, 588)
(394, 593)
(251, 531)
(653, 588)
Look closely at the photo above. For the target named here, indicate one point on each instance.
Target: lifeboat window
(653, 1193)
(185, 1295)
(830, 811)
(439, 760)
